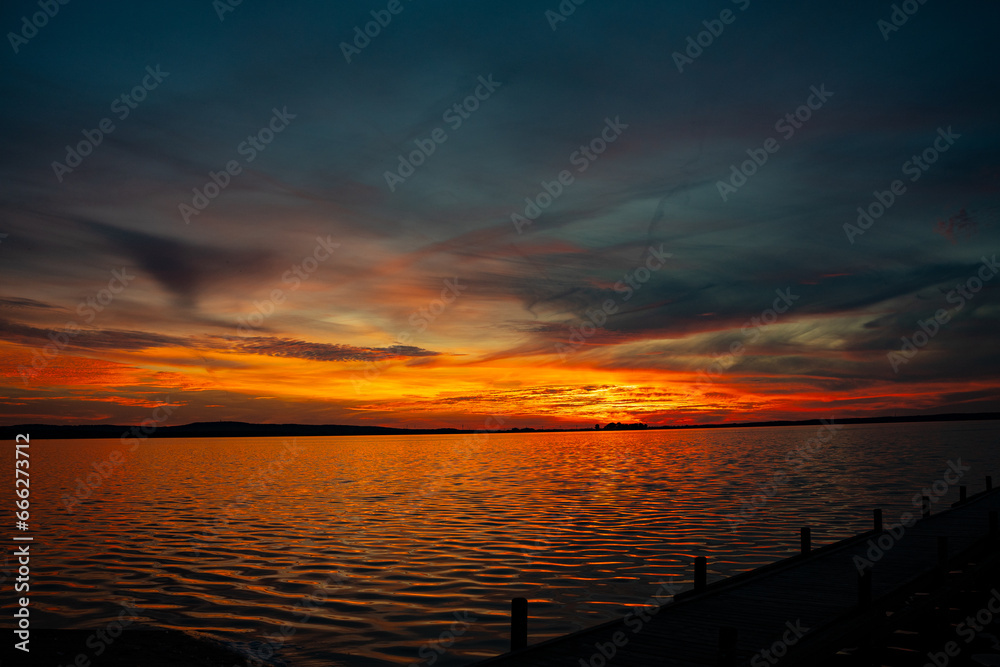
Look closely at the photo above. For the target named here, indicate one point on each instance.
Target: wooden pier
(800, 610)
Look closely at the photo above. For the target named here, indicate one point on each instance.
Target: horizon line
(171, 431)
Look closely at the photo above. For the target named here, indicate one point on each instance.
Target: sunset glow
(278, 238)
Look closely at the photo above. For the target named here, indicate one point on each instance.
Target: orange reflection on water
(368, 544)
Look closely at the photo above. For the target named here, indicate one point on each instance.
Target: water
(234, 537)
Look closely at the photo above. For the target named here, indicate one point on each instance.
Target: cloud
(299, 349)
(185, 268)
(16, 302)
(95, 339)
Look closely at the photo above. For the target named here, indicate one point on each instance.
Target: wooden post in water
(865, 588)
(963, 494)
(518, 624)
(727, 646)
(877, 515)
(805, 540)
(926, 506)
(700, 573)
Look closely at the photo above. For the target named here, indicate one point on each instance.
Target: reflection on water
(367, 549)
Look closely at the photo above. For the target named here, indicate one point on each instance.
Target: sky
(527, 213)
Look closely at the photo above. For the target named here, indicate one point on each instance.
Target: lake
(364, 550)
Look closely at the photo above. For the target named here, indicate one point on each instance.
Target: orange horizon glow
(448, 390)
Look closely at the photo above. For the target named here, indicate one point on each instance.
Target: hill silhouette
(232, 429)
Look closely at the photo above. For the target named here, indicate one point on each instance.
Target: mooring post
(700, 573)
(926, 506)
(518, 623)
(805, 540)
(727, 646)
(865, 588)
(963, 494)
(877, 515)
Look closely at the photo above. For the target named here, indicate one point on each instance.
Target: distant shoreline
(244, 429)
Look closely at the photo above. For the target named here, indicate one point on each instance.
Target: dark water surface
(236, 537)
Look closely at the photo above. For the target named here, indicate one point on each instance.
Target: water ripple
(365, 550)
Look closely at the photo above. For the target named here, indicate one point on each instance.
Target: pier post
(727, 646)
(926, 506)
(700, 573)
(877, 515)
(963, 494)
(805, 540)
(865, 588)
(518, 624)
